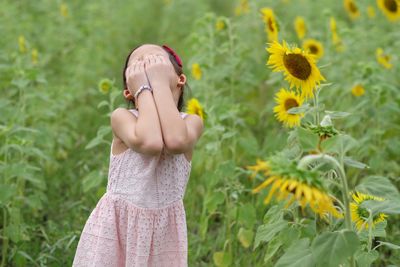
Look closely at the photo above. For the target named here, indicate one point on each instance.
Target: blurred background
(61, 76)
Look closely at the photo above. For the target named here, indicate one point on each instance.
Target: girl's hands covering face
(160, 71)
(136, 76)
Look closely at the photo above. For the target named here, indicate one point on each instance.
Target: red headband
(175, 55)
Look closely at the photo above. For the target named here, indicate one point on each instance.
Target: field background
(55, 138)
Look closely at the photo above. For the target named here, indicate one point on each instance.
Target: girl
(141, 220)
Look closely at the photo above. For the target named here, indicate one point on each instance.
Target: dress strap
(134, 112)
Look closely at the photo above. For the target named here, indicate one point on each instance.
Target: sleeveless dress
(140, 221)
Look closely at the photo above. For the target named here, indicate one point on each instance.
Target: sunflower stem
(303, 164)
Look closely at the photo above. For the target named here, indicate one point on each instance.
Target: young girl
(141, 220)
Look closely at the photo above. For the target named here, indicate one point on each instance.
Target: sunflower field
(299, 162)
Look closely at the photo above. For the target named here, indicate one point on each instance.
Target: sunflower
(335, 37)
(287, 100)
(64, 10)
(289, 183)
(196, 71)
(314, 47)
(271, 27)
(194, 107)
(371, 12)
(300, 27)
(391, 8)
(359, 215)
(22, 44)
(298, 67)
(351, 8)
(383, 59)
(261, 165)
(105, 85)
(220, 25)
(34, 56)
(242, 8)
(358, 90)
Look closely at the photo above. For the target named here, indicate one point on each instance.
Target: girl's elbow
(153, 147)
(176, 145)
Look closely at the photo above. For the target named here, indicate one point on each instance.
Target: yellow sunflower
(359, 215)
(300, 27)
(298, 66)
(261, 165)
(22, 44)
(351, 8)
(242, 8)
(196, 71)
(34, 56)
(337, 41)
(391, 8)
(383, 58)
(64, 10)
(287, 100)
(193, 107)
(371, 12)
(358, 90)
(105, 85)
(271, 27)
(220, 25)
(292, 188)
(314, 47)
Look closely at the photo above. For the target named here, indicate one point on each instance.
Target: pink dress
(140, 220)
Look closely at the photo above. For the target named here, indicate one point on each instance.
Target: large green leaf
(378, 186)
(387, 206)
(308, 140)
(297, 255)
(339, 144)
(365, 259)
(333, 248)
(272, 247)
(267, 231)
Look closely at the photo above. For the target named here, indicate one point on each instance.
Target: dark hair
(177, 68)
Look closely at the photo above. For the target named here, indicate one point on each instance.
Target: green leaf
(365, 259)
(245, 237)
(92, 180)
(333, 248)
(268, 231)
(247, 215)
(354, 163)
(308, 140)
(340, 144)
(337, 114)
(272, 247)
(6, 193)
(389, 245)
(213, 200)
(289, 235)
(297, 255)
(387, 206)
(378, 186)
(297, 110)
(222, 259)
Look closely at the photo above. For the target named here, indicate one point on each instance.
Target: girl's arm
(179, 135)
(142, 134)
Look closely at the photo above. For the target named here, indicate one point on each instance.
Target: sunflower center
(297, 65)
(271, 25)
(313, 49)
(290, 103)
(353, 7)
(391, 5)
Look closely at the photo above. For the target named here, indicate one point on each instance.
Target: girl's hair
(177, 68)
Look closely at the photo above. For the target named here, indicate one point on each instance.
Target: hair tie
(175, 55)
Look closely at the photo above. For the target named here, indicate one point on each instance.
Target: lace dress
(140, 220)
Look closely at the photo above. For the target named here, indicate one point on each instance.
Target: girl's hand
(136, 76)
(160, 71)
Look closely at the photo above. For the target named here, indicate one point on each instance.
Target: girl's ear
(127, 94)
(181, 80)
